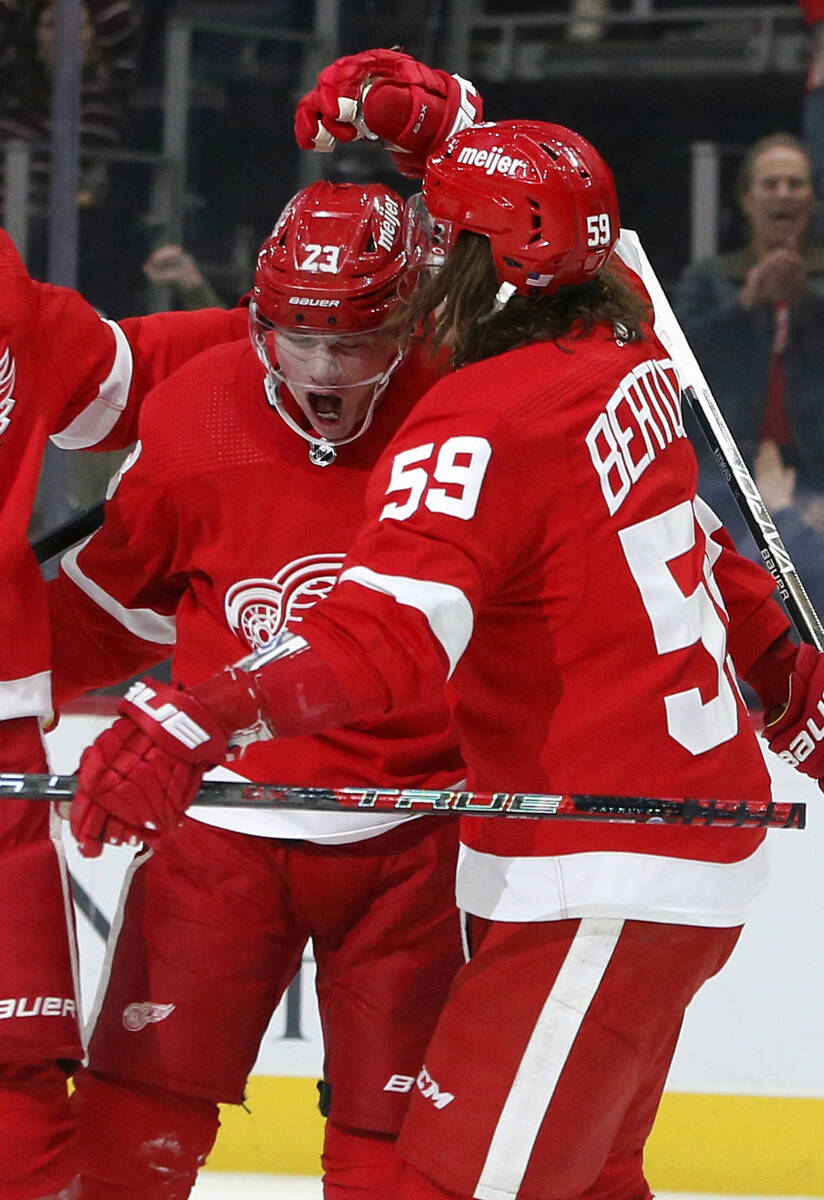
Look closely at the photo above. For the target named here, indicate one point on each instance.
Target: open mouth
(326, 408)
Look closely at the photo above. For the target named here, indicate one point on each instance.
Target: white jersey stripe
(26, 697)
(111, 942)
(545, 1058)
(142, 622)
(100, 416)
(56, 836)
(606, 883)
(445, 607)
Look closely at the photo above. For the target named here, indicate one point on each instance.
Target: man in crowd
(755, 316)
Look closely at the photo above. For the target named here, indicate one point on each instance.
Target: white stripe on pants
(545, 1057)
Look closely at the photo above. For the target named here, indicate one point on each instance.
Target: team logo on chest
(257, 609)
(8, 374)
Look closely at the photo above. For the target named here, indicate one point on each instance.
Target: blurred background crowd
(711, 115)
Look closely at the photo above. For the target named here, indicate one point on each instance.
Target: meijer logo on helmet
(492, 161)
(390, 223)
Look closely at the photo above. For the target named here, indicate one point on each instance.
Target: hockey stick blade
(61, 539)
(727, 456)
(638, 809)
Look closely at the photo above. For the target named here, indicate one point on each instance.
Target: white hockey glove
(388, 95)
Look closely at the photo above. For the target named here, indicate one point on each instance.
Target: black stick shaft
(638, 809)
(773, 552)
(59, 540)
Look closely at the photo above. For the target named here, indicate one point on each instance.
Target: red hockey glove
(797, 733)
(390, 95)
(140, 776)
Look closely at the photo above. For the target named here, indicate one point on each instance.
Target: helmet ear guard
(540, 193)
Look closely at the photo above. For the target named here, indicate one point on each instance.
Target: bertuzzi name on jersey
(641, 418)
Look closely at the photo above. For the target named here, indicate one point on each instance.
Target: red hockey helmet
(540, 193)
(335, 259)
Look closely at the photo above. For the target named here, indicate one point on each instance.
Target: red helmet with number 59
(335, 259)
(540, 193)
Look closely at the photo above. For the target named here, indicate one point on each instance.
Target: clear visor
(317, 360)
(427, 240)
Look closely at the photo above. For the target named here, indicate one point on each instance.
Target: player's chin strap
(322, 452)
(502, 297)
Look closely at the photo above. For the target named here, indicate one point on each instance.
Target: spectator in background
(110, 37)
(813, 109)
(755, 317)
(799, 515)
(587, 24)
(171, 266)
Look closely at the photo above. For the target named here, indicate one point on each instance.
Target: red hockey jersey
(220, 532)
(67, 373)
(534, 537)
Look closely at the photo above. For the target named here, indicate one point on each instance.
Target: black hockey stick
(725, 451)
(58, 540)
(768, 540)
(640, 809)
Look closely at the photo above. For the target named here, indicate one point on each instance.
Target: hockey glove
(390, 95)
(139, 777)
(796, 734)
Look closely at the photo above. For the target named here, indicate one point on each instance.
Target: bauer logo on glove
(177, 723)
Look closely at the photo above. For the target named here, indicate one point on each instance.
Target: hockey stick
(773, 552)
(58, 540)
(725, 452)
(642, 809)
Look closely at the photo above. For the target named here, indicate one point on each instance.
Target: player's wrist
(769, 677)
(286, 690)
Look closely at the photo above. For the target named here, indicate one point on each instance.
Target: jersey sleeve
(112, 606)
(109, 367)
(434, 548)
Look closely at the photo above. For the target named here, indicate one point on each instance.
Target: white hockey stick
(664, 811)
(726, 453)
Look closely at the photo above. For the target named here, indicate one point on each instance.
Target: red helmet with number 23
(540, 193)
(335, 259)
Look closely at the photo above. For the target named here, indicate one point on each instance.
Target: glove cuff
(286, 690)
(769, 677)
(415, 120)
(806, 660)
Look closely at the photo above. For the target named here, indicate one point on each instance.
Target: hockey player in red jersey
(533, 543)
(64, 372)
(224, 527)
